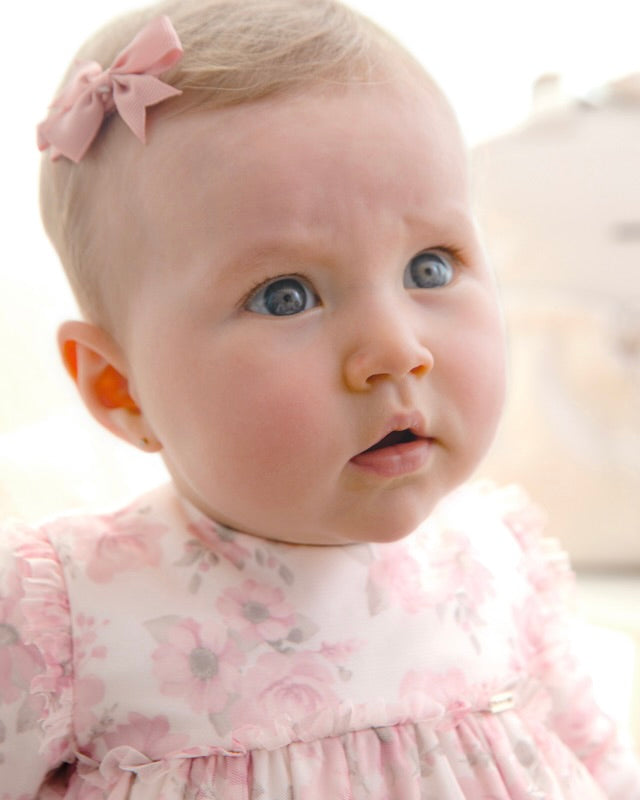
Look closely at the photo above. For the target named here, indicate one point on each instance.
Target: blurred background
(548, 96)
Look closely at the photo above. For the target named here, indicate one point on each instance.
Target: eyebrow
(304, 245)
(283, 250)
(262, 261)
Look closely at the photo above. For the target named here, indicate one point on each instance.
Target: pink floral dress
(152, 654)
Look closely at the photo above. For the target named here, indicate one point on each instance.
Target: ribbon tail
(132, 94)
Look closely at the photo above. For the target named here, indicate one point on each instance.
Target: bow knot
(128, 86)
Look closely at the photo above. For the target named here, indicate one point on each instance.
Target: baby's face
(314, 287)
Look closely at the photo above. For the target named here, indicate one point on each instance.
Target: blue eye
(282, 297)
(429, 270)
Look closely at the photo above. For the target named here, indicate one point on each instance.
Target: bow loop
(129, 85)
(152, 51)
(86, 75)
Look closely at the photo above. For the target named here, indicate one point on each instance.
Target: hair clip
(128, 86)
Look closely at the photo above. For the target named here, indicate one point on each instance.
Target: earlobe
(97, 366)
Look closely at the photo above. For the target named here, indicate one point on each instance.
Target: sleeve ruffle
(545, 563)
(549, 622)
(47, 627)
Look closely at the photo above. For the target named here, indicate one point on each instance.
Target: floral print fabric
(153, 654)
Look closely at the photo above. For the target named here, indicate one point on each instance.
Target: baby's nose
(388, 349)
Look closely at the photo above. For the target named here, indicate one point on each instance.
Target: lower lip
(394, 461)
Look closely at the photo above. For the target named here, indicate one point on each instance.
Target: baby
(263, 208)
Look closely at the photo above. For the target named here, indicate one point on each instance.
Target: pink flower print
(257, 613)
(526, 521)
(88, 692)
(395, 580)
(293, 687)
(541, 645)
(474, 580)
(129, 543)
(314, 781)
(339, 652)
(228, 778)
(151, 737)
(580, 723)
(19, 662)
(222, 540)
(450, 689)
(454, 573)
(530, 624)
(199, 663)
(46, 607)
(85, 641)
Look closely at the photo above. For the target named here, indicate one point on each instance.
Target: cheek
(487, 381)
(259, 413)
(477, 362)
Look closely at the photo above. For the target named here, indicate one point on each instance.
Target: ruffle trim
(348, 718)
(528, 522)
(526, 696)
(413, 752)
(45, 607)
(547, 566)
(589, 733)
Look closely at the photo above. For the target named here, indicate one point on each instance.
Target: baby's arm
(35, 649)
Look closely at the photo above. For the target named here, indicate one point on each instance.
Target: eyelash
(266, 281)
(456, 254)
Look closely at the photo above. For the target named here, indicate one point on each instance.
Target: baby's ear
(99, 370)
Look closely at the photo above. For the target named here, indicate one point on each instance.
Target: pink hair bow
(128, 86)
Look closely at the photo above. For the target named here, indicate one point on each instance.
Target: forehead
(283, 145)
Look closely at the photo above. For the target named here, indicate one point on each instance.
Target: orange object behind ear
(70, 358)
(99, 370)
(111, 389)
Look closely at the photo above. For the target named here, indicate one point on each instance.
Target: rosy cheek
(273, 416)
(285, 430)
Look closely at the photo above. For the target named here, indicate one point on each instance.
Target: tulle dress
(153, 654)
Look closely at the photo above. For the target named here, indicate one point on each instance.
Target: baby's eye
(429, 270)
(282, 297)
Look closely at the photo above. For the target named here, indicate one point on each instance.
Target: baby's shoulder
(484, 504)
(526, 523)
(500, 522)
(97, 544)
(24, 550)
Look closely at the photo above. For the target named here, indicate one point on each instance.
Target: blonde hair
(235, 51)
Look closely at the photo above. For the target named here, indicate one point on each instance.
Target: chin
(392, 527)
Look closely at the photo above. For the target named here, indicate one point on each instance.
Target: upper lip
(411, 423)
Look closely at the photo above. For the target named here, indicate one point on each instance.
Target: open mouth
(393, 438)
(398, 453)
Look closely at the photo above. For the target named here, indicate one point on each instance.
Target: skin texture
(259, 417)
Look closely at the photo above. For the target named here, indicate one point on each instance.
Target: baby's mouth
(400, 452)
(391, 439)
